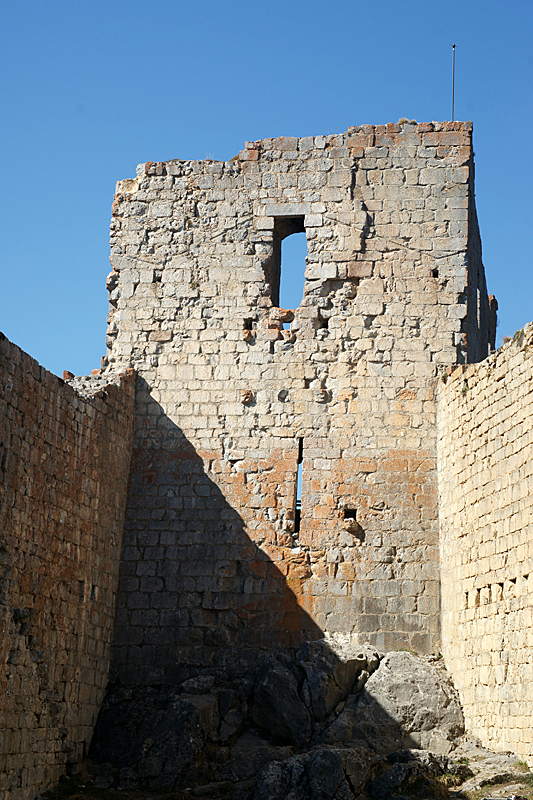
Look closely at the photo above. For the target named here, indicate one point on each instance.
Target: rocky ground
(363, 726)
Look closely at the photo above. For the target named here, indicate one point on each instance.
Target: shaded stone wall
(64, 463)
(486, 500)
(233, 392)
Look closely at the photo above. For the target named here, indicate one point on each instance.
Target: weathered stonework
(233, 391)
(64, 463)
(233, 396)
(486, 542)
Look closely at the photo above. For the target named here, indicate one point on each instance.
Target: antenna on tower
(453, 78)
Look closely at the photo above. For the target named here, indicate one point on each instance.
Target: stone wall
(63, 467)
(234, 392)
(486, 502)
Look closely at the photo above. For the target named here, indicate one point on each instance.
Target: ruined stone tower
(237, 403)
(235, 395)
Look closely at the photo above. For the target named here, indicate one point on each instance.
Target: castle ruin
(357, 395)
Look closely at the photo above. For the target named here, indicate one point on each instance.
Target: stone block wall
(485, 452)
(234, 392)
(64, 463)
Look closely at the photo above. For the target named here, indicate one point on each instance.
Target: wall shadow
(217, 670)
(195, 591)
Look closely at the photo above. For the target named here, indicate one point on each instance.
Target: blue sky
(90, 90)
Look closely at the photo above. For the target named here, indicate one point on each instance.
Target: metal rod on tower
(453, 78)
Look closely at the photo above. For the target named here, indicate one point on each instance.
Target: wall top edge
(356, 138)
(522, 341)
(87, 387)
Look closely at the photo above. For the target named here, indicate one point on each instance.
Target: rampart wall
(64, 463)
(233, 392)
(486, 541)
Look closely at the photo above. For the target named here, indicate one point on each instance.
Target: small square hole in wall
(434, 273)
(351, 525)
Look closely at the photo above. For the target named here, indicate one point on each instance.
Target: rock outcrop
(408, 703)
(313, 726)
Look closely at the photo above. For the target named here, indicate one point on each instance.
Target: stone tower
(236, 395)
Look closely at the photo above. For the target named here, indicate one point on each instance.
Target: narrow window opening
(435, 273)
(285, 271)
(292, 281)
(350, 513)
(298, 508)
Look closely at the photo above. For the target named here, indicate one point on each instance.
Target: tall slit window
(287, 267)
(298, 508)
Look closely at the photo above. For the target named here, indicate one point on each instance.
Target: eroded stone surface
(407, 703)
(233, 391)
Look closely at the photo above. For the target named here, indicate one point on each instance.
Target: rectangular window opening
(287, 292)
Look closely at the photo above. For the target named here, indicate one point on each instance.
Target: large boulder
(349, 773)
(331, 676)
(277, 706)
(409, 702)
(414, 772)
(325, 773)
(249, 755)
(290, 694)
